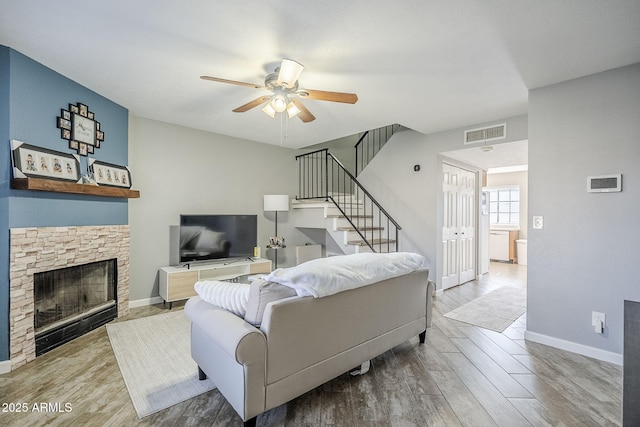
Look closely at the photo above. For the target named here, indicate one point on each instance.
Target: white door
(450, 231)
(467, 225)
(458, 228)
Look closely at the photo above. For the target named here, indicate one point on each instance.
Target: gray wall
(342, 148)
(586, 256)
(184, 171)
(414, 199)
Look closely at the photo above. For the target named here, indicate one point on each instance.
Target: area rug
(153, 354)
(496, 310)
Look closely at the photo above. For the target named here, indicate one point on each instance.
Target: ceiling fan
(287, 95)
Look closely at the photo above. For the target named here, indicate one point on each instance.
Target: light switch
(538, 222)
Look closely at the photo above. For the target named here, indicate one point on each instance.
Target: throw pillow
(232, 297)
(260, 294)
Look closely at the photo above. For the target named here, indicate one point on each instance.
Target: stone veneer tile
(34, 250)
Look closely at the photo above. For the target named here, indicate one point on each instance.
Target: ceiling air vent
(492, 133)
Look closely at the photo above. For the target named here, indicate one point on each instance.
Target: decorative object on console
(78, 126)
(276, 203)
(109, 174)
(37, 162)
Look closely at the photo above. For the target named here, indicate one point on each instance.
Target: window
(504, 205)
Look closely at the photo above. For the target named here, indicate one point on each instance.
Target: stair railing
(370, 143)
(322, 176)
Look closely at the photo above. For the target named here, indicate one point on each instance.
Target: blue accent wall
(31, 97)
(4, 203)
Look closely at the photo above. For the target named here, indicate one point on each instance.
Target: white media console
(176, 283)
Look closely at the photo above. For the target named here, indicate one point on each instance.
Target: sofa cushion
(260, 294)
(232, 297)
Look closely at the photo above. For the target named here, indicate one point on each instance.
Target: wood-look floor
(462, 375)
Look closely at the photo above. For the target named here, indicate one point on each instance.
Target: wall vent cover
(492, 133)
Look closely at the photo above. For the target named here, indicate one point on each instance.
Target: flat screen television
(211, 237)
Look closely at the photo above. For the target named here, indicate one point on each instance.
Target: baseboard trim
(5, 366)
(595, 353)
(145, 301)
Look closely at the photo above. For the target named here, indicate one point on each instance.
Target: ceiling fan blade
(289, 72)
(324, 95)
(252, 104)
(305, 115)
(233, 82)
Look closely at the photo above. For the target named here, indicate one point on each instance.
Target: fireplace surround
(36, 250)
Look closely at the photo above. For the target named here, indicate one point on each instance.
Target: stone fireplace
(47, 249)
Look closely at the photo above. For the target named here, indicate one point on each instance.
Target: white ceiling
(500, 156)
(428, 65)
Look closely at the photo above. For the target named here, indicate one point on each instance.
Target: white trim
(5, 366)
(145, 301)
(596, 353)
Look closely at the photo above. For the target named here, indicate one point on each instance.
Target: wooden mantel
(39, 184)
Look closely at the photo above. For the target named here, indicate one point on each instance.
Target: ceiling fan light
(292, 110)
(289, 72)
(279, 103)
(269, 111)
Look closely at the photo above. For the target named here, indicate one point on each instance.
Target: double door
(459, 226)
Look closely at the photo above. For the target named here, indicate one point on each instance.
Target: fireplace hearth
(72, 301)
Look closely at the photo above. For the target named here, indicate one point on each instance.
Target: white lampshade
(289, 72)
(279, 102)
(269, 111)
(292, 110)
(276, 202)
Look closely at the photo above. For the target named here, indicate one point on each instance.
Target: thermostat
(604, 183)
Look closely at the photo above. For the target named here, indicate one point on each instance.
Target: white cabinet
(502, 244)
(176, 283)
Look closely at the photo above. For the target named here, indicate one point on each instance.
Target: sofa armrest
(239, 339)
(232, 353)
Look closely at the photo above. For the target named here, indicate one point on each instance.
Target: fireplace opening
(71, 301)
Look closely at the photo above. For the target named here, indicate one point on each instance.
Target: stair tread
(362, 229)
(352, 216)
(373, 242)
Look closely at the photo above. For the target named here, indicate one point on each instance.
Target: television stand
(176, 283)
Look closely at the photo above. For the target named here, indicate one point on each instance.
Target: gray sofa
(303, 342)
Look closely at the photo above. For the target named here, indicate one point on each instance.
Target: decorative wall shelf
(38, 184)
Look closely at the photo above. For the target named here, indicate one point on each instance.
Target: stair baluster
(323, 176)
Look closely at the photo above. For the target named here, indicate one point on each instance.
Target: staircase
(370, 143)
(330, 197)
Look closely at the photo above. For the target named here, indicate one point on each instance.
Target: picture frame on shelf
(109, 174)
(30, 161)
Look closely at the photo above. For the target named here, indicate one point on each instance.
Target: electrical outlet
(598, 321)
(538, 222)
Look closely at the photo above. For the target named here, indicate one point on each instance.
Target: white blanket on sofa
(327, 276)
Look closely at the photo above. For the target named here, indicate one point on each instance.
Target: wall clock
(78, 126)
